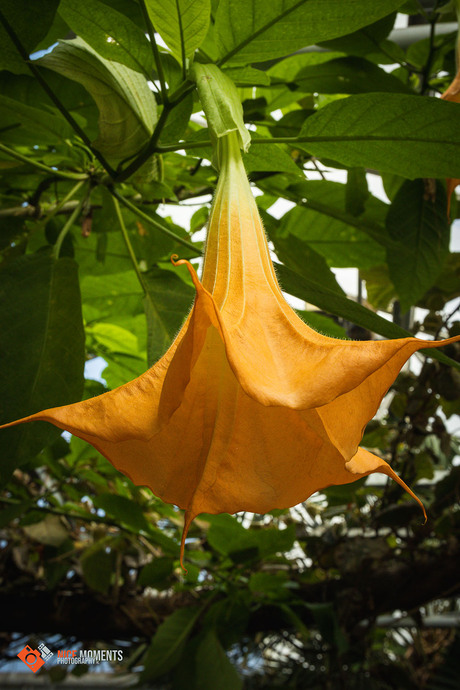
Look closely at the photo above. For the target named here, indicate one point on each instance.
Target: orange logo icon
(32, 658)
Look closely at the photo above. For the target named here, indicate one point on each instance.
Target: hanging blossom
(452, 94)
(249, 409)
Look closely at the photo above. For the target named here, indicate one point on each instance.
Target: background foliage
(100, 136)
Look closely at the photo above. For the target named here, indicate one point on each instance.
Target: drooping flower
(249, 409)
(452, 94)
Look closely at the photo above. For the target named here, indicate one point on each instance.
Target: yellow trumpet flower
(452, 94)
(249, 409)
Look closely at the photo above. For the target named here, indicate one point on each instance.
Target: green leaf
(270, 585)
(41, 346)
(31, 22)
(406, 135)
(13, 511)
(417, 220)
(310, 291)
(271, 158)
(380, 290)
(299, 256)
(177, 121)
(168, 643)
(29, 124)
(356, 191)
(166, 304)
(249, 31)
(111, 34)
(127, 107)
(212, 663)
(114, 338)
(156, 573)
(247, 76)
(221, 103)
(182, 24)
(322, 324)
(124, 510)
(370, 41)
(347, 75)
(229, 538)
(322, 223)
(97, 567)
(111, 295)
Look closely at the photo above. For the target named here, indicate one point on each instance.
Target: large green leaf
(229, 538)
(27, 124)
(110, 33)
(123, 509)
(127, 107)
(31, 22)
(182, 24)
(347, 75)
(166, 304)
(41, 346)
(177, 121)
(370, 40)
(406, 135)
(111, 295)
(299, 256)
(324, 225)
(307, 289)
(417, 220)
(271, 158)
(256, 30)
(212, 663)
(97, 564)
(169, 641)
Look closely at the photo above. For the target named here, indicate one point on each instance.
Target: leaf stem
(57, 207)
(148, 219)
(155, 51)
(49, 91)
(68, 224)
(129, 246)
(41, 166)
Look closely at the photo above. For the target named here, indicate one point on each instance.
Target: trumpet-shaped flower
(452, 94)
(249, 409)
